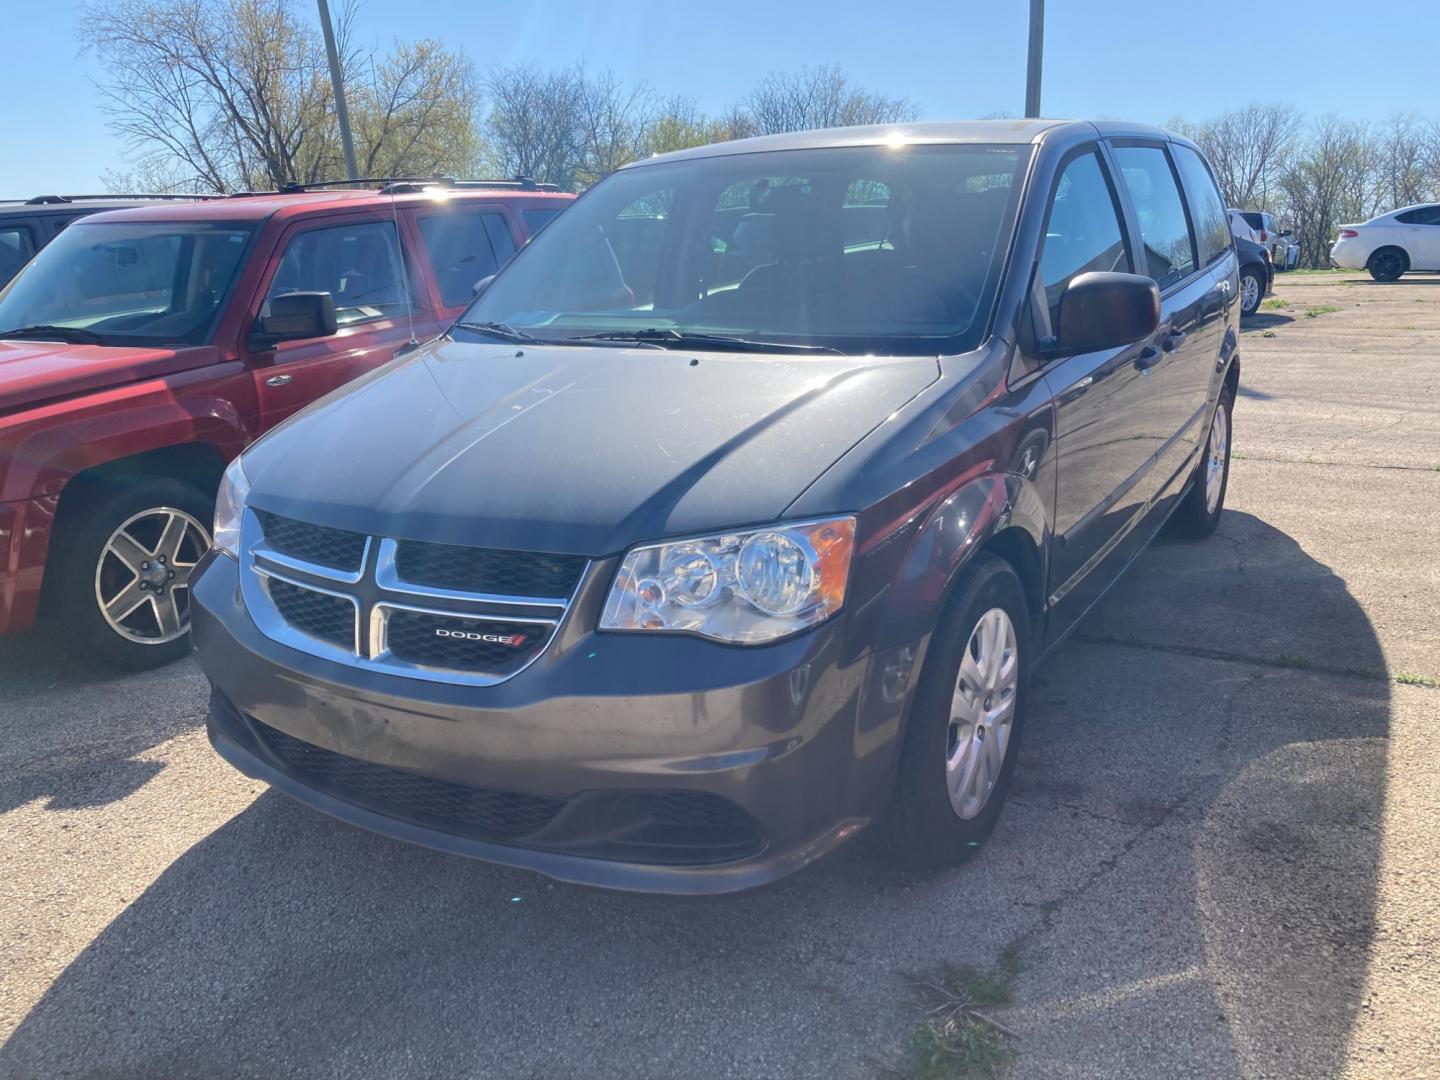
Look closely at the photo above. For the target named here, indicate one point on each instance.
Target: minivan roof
(1017, 132)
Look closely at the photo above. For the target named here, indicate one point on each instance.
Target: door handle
(279, 380)
(1148, 358)
(1173, 340)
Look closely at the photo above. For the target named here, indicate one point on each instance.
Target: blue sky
(1145, 61)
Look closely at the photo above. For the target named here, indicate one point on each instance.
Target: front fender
(943, 540)
(44, 448)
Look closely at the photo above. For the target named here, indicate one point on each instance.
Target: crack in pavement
(1368, 675)
(1338, 464)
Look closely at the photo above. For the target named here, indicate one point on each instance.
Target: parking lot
(1219, 860)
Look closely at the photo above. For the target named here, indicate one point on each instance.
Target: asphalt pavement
(1219, 859)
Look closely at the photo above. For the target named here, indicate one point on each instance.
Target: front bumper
(794, 742)
(24, 536)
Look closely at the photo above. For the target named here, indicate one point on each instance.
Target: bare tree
(235, 94)
(413, 112)
(1327, 183)
(613, 123)
(678, 124)
(1247, 149)
(535, 126)
(1403, 163)
(820, 98)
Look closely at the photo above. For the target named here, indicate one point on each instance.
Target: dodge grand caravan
(734, 515)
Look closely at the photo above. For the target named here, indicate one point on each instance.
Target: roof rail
(48, 200)
(404, 185)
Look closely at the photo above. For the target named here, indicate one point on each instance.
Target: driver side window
(359, 265)
(1082, 231)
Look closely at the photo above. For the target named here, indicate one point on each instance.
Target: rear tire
(1198, 515)
(966, 722)
(1388, 264)
(118, 580)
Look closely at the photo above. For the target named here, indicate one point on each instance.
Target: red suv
(144, 348)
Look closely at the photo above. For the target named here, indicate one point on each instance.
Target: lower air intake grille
(424, 800)
(320, 615)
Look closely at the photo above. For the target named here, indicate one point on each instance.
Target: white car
(1240, 227)
(1391, 244)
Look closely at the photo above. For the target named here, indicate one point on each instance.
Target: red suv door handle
(279, 380)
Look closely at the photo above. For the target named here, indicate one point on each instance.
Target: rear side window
(1169, 256)
(1206, 210)
(462, 252)
(359, 265)
(1082, 230)
(535, 220)
(1425, 215)
(16, 247)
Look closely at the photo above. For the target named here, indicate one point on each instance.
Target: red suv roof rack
(46, 200)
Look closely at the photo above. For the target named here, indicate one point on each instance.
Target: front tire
(1199, 514)
(1388, 264)
(965, 725)
(1252, 291)
(120, 575)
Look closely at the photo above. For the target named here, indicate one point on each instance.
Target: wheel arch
(999, 513)
(1369, 261)
(199, 464)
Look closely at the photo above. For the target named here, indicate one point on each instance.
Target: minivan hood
(36, 371)
(574, 450)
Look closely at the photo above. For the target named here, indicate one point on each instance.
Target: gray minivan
(735, 515)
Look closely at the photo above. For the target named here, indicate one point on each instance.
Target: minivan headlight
(229, 507)
(746, 587)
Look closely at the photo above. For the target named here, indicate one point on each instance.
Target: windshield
(128, 283)
(863, 249)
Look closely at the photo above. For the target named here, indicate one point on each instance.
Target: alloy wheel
(1215, 458)
(1249, 292)
(982, 713)
(142, 580)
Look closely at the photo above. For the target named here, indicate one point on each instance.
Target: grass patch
(1268, 333)
(1409, 678)
(956, 1039)
(1275, 304)
(1326, 270)
(1286, 660)
(1322, 309)
(1049, 907)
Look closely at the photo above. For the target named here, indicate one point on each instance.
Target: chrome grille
(459, 643)
(322, 615)
(337, 549)
(502, 573)
(462, 621)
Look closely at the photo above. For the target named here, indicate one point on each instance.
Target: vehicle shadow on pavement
(1188, 865)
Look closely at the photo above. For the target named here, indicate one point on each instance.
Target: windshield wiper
(501, 330)
(668, 337)
(46, 332)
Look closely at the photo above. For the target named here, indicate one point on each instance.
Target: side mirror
(297, 315)
(1102, 310)
(483, 284)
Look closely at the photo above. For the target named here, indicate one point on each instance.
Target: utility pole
(338, 82)
(1037, 47)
